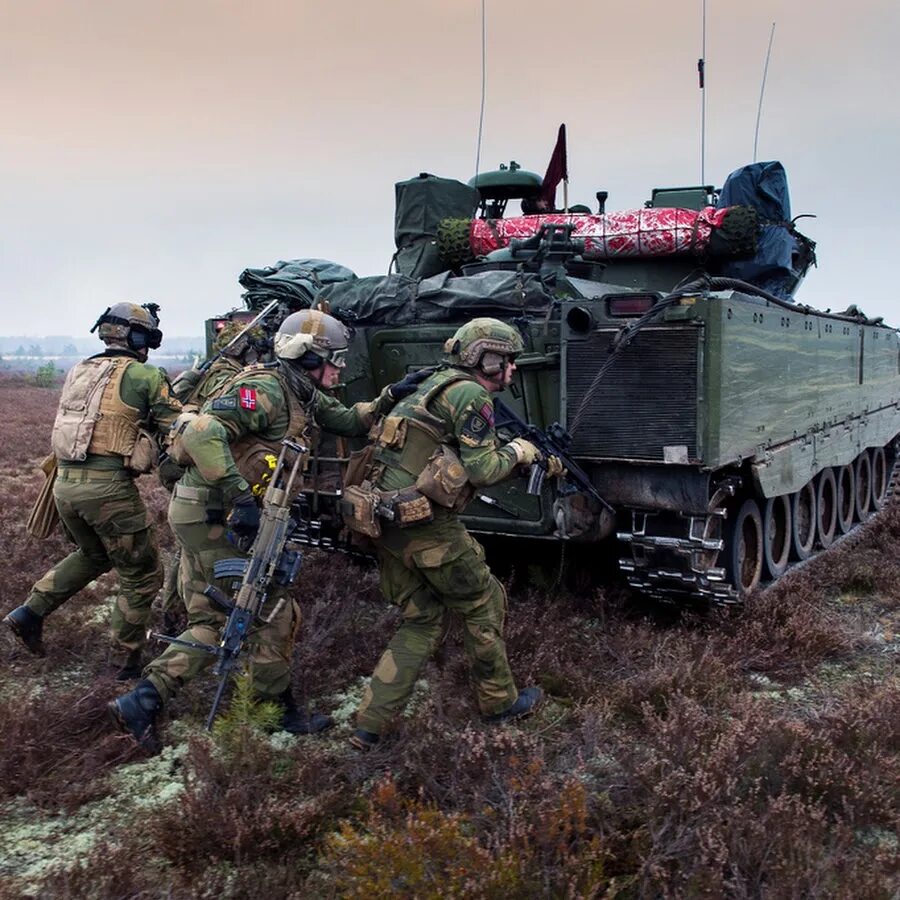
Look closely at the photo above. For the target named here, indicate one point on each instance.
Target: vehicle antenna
(483, 82)
(701, 73)
(762, 90)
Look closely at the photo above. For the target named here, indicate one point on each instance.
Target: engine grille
(645, 402)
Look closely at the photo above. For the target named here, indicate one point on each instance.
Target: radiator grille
(646, 401)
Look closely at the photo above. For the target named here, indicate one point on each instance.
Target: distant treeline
(66, 345)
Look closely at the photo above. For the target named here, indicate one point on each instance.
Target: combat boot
(525, 705)
(136, 712)
(131, 668)
(297, 721)
(364, 740)
(27, 626)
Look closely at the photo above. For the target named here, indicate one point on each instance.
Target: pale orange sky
(151, 151)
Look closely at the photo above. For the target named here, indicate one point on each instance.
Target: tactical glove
(409, 384)
(526, 452)
(243, 521)
(555, 467)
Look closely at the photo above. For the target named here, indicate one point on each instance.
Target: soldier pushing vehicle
(112, 407)
(214, 513)
(435, 448)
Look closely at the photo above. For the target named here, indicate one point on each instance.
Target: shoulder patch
(248, 398)
(476, 427)
(487, 413)
(224, 403)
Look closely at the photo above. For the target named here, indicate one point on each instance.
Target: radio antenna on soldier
(762, 91)
(701, 75)
(483, 82)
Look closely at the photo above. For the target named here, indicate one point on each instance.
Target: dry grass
(748, 754)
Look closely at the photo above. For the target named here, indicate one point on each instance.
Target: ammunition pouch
(409, 507)
(144, 456)
(359, 508)
(363, 507)
(44, 515)
(358, 467)
(444, 480)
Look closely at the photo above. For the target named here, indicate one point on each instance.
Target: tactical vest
(92, 418)
(409, 437)
(250, 451)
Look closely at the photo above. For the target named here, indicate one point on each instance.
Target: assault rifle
(554, 441)
(270, 563)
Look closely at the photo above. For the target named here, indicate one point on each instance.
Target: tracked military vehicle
(732, 429)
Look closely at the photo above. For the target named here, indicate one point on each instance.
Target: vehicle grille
(646, 401)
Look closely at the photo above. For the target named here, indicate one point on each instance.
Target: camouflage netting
(399, 300)
(296, 282)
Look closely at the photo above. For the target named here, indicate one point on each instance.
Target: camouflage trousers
(105, 516)
(269, 646)
(429, 571)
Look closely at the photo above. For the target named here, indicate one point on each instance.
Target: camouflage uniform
(429, 569)
(101, 509)
(192, 392)
(249, 418)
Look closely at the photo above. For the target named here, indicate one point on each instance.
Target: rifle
(554, 441)
(270, 562)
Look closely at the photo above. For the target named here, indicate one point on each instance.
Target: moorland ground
(729, 753)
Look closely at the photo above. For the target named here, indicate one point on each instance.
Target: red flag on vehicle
(557, 170)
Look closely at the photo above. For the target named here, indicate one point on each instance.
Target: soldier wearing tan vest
(111, 407)
(214, 512)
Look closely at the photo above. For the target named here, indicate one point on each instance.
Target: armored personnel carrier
(731, 429)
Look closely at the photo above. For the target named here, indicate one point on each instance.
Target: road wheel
(863, 486)
(744, 548)
(803, 521)
(846, 497)
(777, 534)
(826, 507)
(879, 477)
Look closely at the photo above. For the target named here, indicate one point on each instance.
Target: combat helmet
(484, 344)
(132, 324)
(311, 337)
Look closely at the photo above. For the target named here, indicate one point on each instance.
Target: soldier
(228, 443)
(440, 443)
(101, 444)
(193, 388)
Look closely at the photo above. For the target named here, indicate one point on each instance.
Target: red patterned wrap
(629, 232)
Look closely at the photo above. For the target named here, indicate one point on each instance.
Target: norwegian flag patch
(247, 398)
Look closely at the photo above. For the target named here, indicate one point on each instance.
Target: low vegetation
(749, 753)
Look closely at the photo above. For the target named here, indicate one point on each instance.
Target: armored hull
(732, 430)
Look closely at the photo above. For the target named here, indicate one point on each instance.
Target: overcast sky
(153, 150)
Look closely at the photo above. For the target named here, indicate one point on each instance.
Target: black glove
(169, 472)
(243, 521)
(409, 384)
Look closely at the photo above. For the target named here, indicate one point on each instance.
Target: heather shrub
(57, 746)
(252, 805)
(716, 800)
(405, 846)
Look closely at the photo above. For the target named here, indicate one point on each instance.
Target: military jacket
(265, 402)
(450, 407)
(137, 393)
